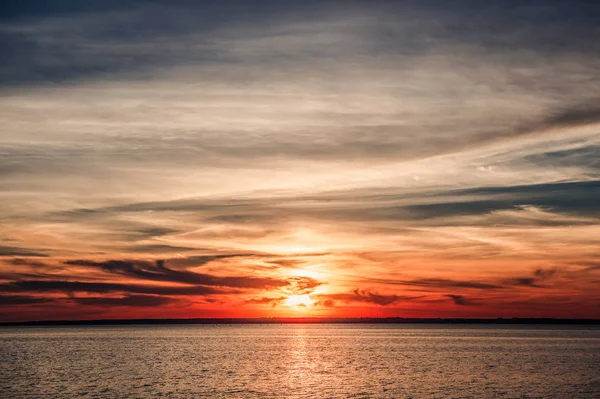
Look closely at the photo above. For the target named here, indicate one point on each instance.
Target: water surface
(300, 361)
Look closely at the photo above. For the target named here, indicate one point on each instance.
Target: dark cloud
(158, 248)
(158, 271)
(575, 197)
(446, 283)
(266, 300)
(29, 9)
(461, 300)
(70, 287)
(303, 285)
(538, 276)
(224, 206)
(590, 266)
(361, 296)
(27, 268)
(569, 196)
(544, 273)
(522, 281)
(107, 26)
(583, 157)
(6, 250)
(118, 32)
(439, 207)
(195, 284)
(130, 300)
(584, 114)
(328, 303)
(10, 300)
(28, 262)
(201, 260)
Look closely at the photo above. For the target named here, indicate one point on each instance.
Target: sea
(300, 361)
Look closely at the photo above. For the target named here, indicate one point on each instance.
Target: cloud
(158, 248)
(590, 266)
(461, 300)
(584, 114)
(363, 296)
(538, 276)
(201, 260)
(523, 281)
(12, 300)
(158, 271)
(302, 285)
(6, 250)
(266, 300)
(28, 262)
(544, 273)
(129, 300)
(447, 283)
(69, 287)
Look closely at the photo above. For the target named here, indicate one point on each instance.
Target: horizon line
(306, 320)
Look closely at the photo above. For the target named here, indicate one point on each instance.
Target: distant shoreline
(304, 320)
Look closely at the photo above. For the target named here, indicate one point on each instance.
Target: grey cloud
(577, 198)
(461, 300)
(201, 260)
(522, 281)
(158, 271)
(544, 273)
(158, 248)
(28, 262)
(109, 26)
(441, 207)
(538, 276)
(446, 283)
(64, 43)
(8, 250)
(129, 300)
(127, 230)
(266, 300)
(590, 266)
(571, 197)
(364, 296)
(586, 157)
(534, 280)
(303, 285)
(587, 113)
(40, 286)
(15, 300)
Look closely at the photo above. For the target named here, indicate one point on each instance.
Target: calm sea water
(300, 361)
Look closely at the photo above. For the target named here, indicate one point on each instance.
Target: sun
(299, 301)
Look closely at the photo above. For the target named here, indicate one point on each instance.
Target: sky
(278, 159)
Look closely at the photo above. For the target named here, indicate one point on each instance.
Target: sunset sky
(171, 159)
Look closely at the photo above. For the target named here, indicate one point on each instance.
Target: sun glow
(299, 301)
